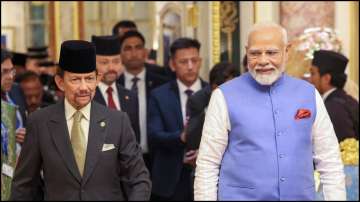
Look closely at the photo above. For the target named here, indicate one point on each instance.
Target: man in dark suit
(198, 102)
(328, 76)
(91, 149)
(34, 93)
(108, 92)
(124, 26)
(17, 96)
(167, 119)
(138, 79)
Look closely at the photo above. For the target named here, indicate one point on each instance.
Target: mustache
(83, 94)
(110, 72)
(258, 67)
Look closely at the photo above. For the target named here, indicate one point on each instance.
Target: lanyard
(19, 121)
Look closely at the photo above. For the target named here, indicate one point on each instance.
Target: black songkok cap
(330, 61)
(19, 59)
(77, 56)
(106, 45)
(46, 63)
(39, 52)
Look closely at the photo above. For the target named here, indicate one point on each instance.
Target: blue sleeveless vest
(269, 152)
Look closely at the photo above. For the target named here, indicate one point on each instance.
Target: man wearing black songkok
(328, 76)
(86, 151)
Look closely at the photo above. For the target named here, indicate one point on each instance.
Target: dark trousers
(148, 161)
(184, 189)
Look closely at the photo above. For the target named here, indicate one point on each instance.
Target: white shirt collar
(103, 87)
(195, 87)
(327, 93)
(70, 110)
(129, 76)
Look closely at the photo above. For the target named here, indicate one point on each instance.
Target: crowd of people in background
(167, 108)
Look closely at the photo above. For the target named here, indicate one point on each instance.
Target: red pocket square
(302, 114)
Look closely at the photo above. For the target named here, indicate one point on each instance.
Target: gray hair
(263, 25)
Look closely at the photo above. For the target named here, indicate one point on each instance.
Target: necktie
(188, 92)
(78, 142)
(134, 87)
(111, 103)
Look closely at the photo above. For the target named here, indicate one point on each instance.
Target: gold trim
(37, 3)
(215, 8)
(254, 12)
(193, 13)
(354, 42)
(229, 18)
(57, 28)
(51, 33)
(75, 20)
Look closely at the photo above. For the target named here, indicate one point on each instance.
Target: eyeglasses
(272, 53)
(11, 72)
(78, 80)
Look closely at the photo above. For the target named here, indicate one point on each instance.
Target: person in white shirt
(264, 130)
(139, 80)
(168, 116)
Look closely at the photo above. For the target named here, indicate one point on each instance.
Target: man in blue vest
(264, 131)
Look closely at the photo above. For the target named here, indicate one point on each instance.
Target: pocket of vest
(241, 186)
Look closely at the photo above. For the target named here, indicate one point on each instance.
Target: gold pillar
(80, 10)
(52, 34)
(57, 28)
(215, 8)
(75, 23)
(254, 12)
(354, 42)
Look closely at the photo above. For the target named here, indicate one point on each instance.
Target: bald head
(268, 29)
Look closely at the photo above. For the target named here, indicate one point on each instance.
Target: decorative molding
(215, 25)
(80, 10)
(254, 12)
(354, 42)
(173, 8)
(57, 28)
(229, 20)
(193, 16)
(52, 30)
(75, 19)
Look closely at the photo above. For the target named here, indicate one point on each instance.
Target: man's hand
(183, 134)
(183, 137)
(20, 135)
(190, 157)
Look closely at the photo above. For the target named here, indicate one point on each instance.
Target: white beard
(267, 79)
